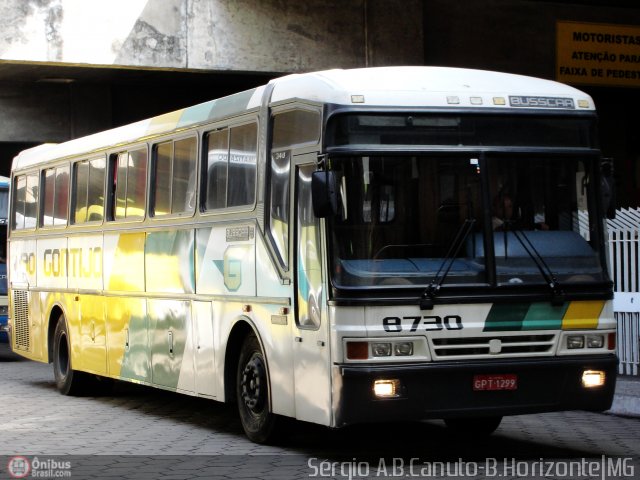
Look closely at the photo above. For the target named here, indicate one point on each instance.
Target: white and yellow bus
(336, 247)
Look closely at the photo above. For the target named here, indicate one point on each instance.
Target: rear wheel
(478, 426)
(68, 381)
(252, 392)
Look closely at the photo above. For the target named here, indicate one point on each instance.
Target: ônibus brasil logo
(19, 467)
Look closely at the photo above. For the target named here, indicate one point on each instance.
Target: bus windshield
(409, 219)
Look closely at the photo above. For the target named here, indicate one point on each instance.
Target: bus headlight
(381, 349)
(403, 349)
(575, 341)
(595, 341)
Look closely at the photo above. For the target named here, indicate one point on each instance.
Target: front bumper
(441, 390)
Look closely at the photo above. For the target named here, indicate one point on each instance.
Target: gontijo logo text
(58, 262)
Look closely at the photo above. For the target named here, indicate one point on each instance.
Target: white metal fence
(624, 253)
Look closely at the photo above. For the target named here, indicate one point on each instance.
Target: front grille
(21, 332)
(493, 345)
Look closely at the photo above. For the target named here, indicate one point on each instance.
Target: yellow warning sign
(598, 54)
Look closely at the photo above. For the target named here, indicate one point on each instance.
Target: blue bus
(4, 309)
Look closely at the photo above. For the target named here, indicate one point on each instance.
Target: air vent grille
(21, 332)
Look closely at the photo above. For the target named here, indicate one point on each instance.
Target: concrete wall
(517, 36)
(238, 35)
(48, 37)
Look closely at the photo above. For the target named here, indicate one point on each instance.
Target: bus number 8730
(427, 323)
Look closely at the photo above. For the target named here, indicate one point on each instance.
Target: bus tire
(252, 392)
(68, 381)
(474, 426)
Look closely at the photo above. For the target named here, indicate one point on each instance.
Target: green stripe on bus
(168, 327)
(135, 363)
(506, 317)
(544, 316)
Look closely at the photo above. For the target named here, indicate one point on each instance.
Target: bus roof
(419, 87)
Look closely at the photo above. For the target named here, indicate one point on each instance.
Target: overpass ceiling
(54, 73)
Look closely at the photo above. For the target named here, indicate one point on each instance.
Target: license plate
(495, 382)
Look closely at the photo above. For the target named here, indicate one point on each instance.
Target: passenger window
(231, 167)
(242, 165)
(61, 208)
(296, 128)
(89, 190)
(25, 201)
(55, 196)
(175, 177)
(48, 203)
(217, 162)
(130, 184)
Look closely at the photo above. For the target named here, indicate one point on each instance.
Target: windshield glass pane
(540, 211)
(420, 220)
(401, 217)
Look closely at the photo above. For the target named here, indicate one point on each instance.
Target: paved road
(144, 433)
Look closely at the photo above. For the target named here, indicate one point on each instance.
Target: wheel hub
(252, 384)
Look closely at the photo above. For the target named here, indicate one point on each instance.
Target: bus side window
(230, 177)
(25, 201)
(174, 176)
(217, 165)
(129, 173)
(243, 145)
(88, 187)
(55, 196)
(48, 192)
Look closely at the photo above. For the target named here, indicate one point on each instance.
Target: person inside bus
(503, 215)
(502, 212)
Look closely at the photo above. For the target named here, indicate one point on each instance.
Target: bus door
(311, 332)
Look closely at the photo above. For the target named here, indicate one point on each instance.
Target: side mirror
(324, 193)
(608, 188)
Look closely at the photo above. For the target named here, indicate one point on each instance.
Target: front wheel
(68, 381)
(252, 391)
(478, 426)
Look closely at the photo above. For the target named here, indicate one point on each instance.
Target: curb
(626, 401)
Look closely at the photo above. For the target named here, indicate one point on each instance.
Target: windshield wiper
(546, 272)
(426, 300)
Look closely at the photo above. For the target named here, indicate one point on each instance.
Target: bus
(4, 303)
(338, 247)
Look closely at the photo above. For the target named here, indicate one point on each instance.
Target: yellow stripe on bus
(164, 122)
(582, 315)
(127, 273)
